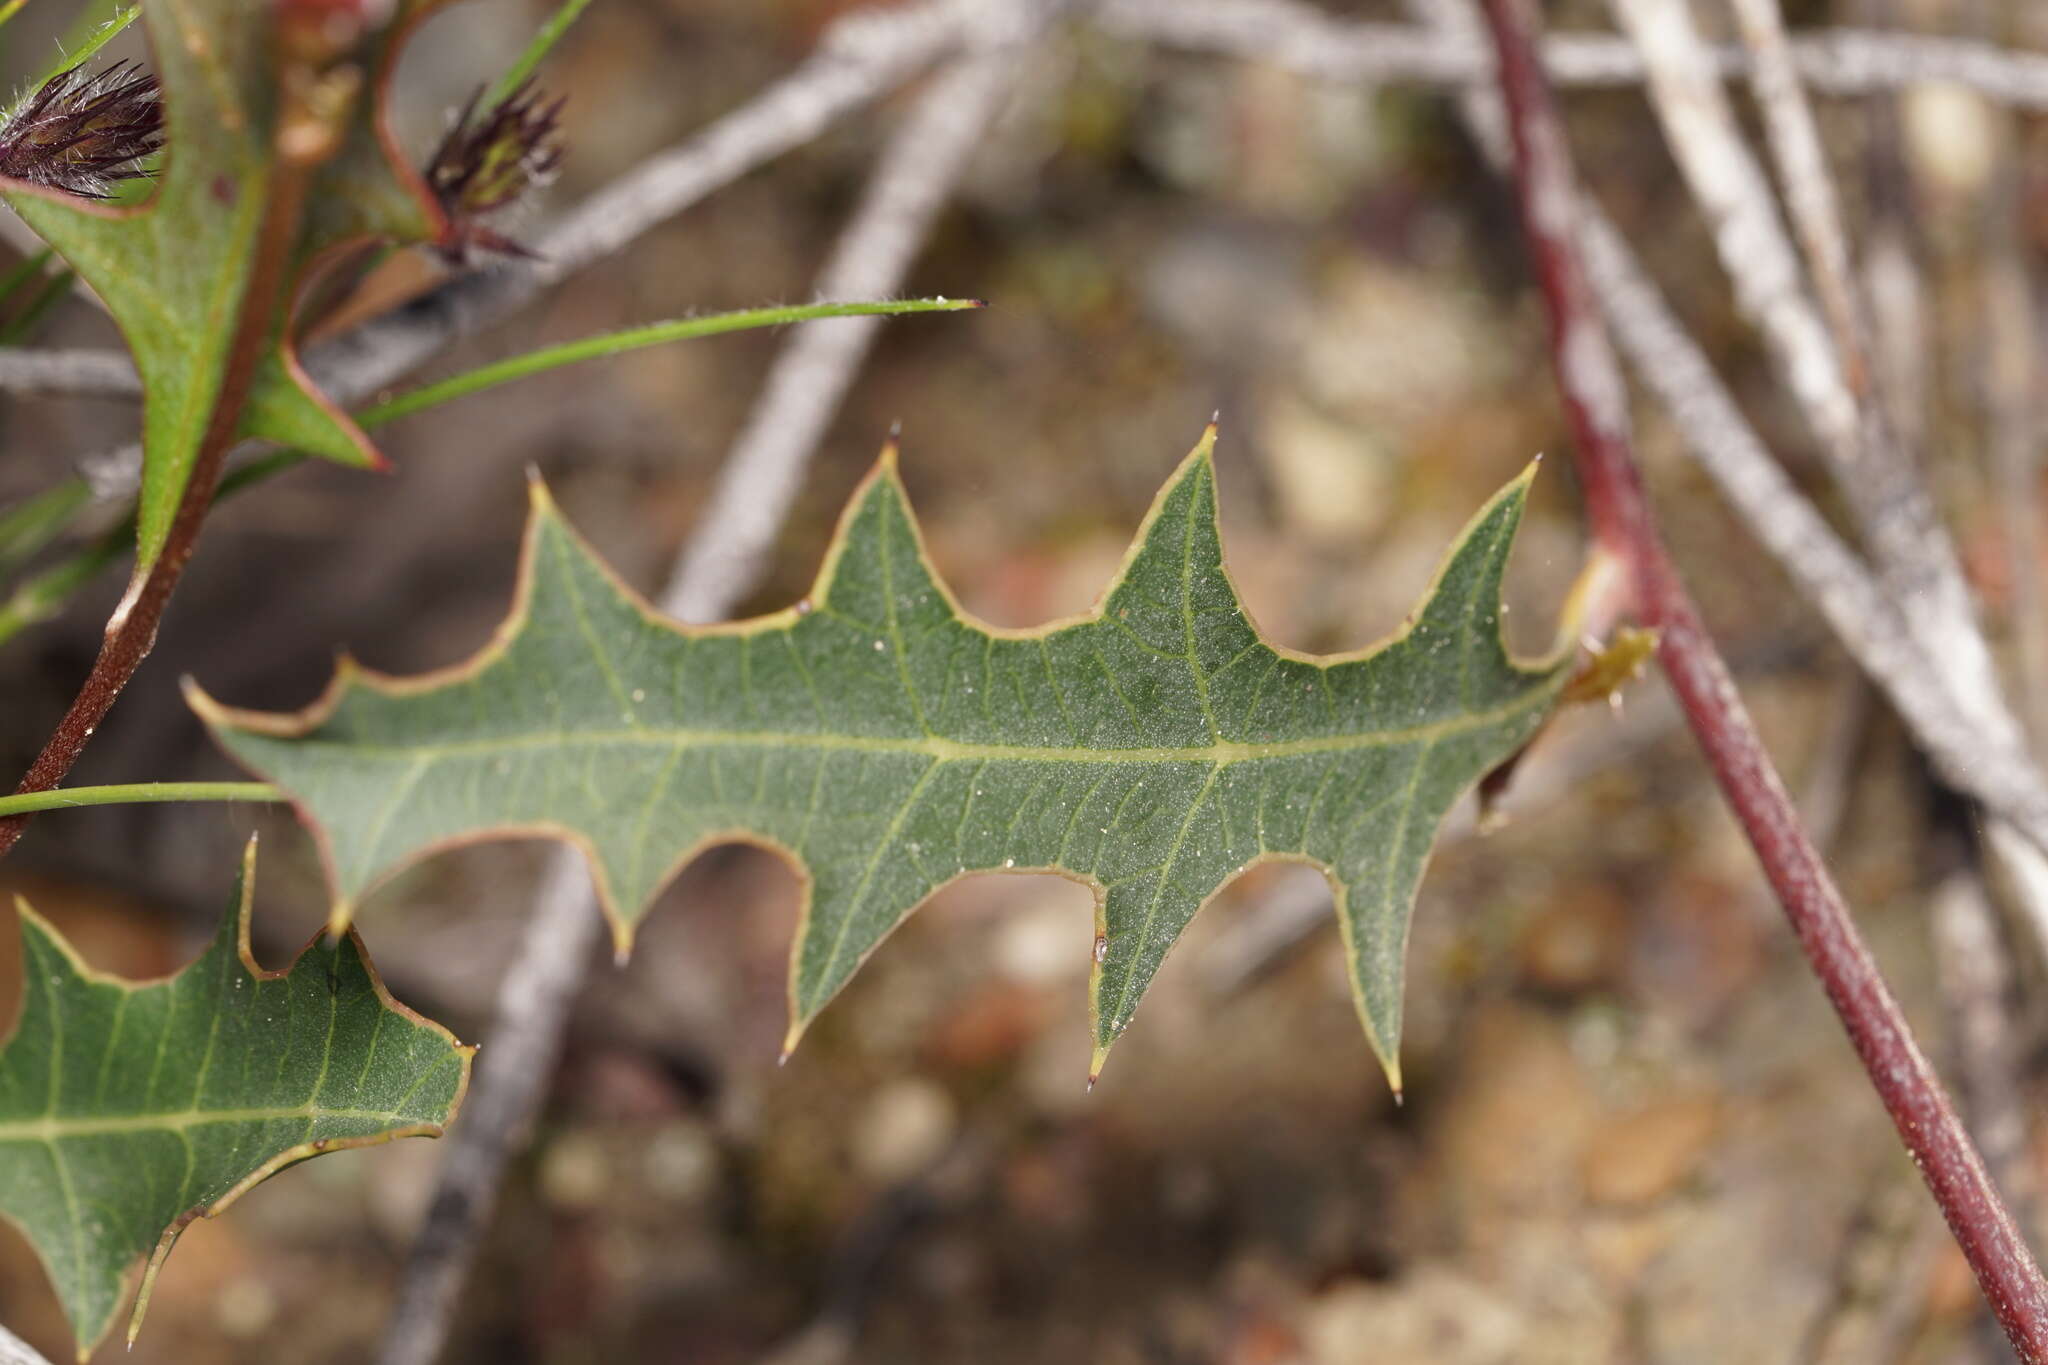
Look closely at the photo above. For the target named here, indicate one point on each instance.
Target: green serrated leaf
(887, 744)
(172, 271)
(127, 1110)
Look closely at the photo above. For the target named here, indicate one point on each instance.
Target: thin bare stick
(872, 51)
(1918, 550)
(1808, 185)
(1912, 550)
(1590, 382)
(513, 1070)
(1828, 573)
(1915, 556)
(1974, 970)
(1844, 61)
(2007, 359)
(1736, 198)
(1870, 624)
(1892, 287)
(817, 365)
(52, 373)
(912, 181)
(15, 1351)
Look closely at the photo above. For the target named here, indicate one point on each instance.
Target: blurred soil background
(1633, 1131)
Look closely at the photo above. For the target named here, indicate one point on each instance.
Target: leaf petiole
(536, 51)
(85, 52)
(136, 793)
(632, 339)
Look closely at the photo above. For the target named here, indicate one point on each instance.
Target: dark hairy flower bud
(488, 162)
(84, 134)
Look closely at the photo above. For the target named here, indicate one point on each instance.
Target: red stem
(132, 633)
(1595, 402)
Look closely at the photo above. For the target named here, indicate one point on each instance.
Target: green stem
(27, 528)
(632, 339)
(40, 597)
(49, 296)
(63, 798)
(22, 271)
(550, 33)
(84, 53)
(43, 595)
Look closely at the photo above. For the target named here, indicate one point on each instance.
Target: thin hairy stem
(132, 633)
(137, 793)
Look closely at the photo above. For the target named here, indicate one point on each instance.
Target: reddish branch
(305, 138)
(1623, 527)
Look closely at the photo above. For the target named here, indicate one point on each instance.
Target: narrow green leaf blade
(888, 744)
(129, 1109)
(536, 51)
(30, 525)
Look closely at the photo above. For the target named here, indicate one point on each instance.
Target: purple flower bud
(488, 162)
(84, 134)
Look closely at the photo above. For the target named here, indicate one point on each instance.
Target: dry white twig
(1741, 211)
(912, 181)
(1974, 971)
(1827, 572)
(871, 52)
(1836, 61)
(816, 365)
(2007, 359)
(15, 1351)
(1808, 185)
(1914, 554)
(513, 1070)
(91, 374)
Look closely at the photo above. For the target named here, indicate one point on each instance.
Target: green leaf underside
(172, 271)
(887, 744)
(127, 1110)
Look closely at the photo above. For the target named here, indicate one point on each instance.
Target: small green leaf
(172, 271)
(887, 744)
(127, 1110)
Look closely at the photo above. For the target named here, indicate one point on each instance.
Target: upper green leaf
(127, 1110)
(173, 271)
(887, 744)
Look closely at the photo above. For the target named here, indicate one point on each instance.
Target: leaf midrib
(937, 747)
(48, 1129)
